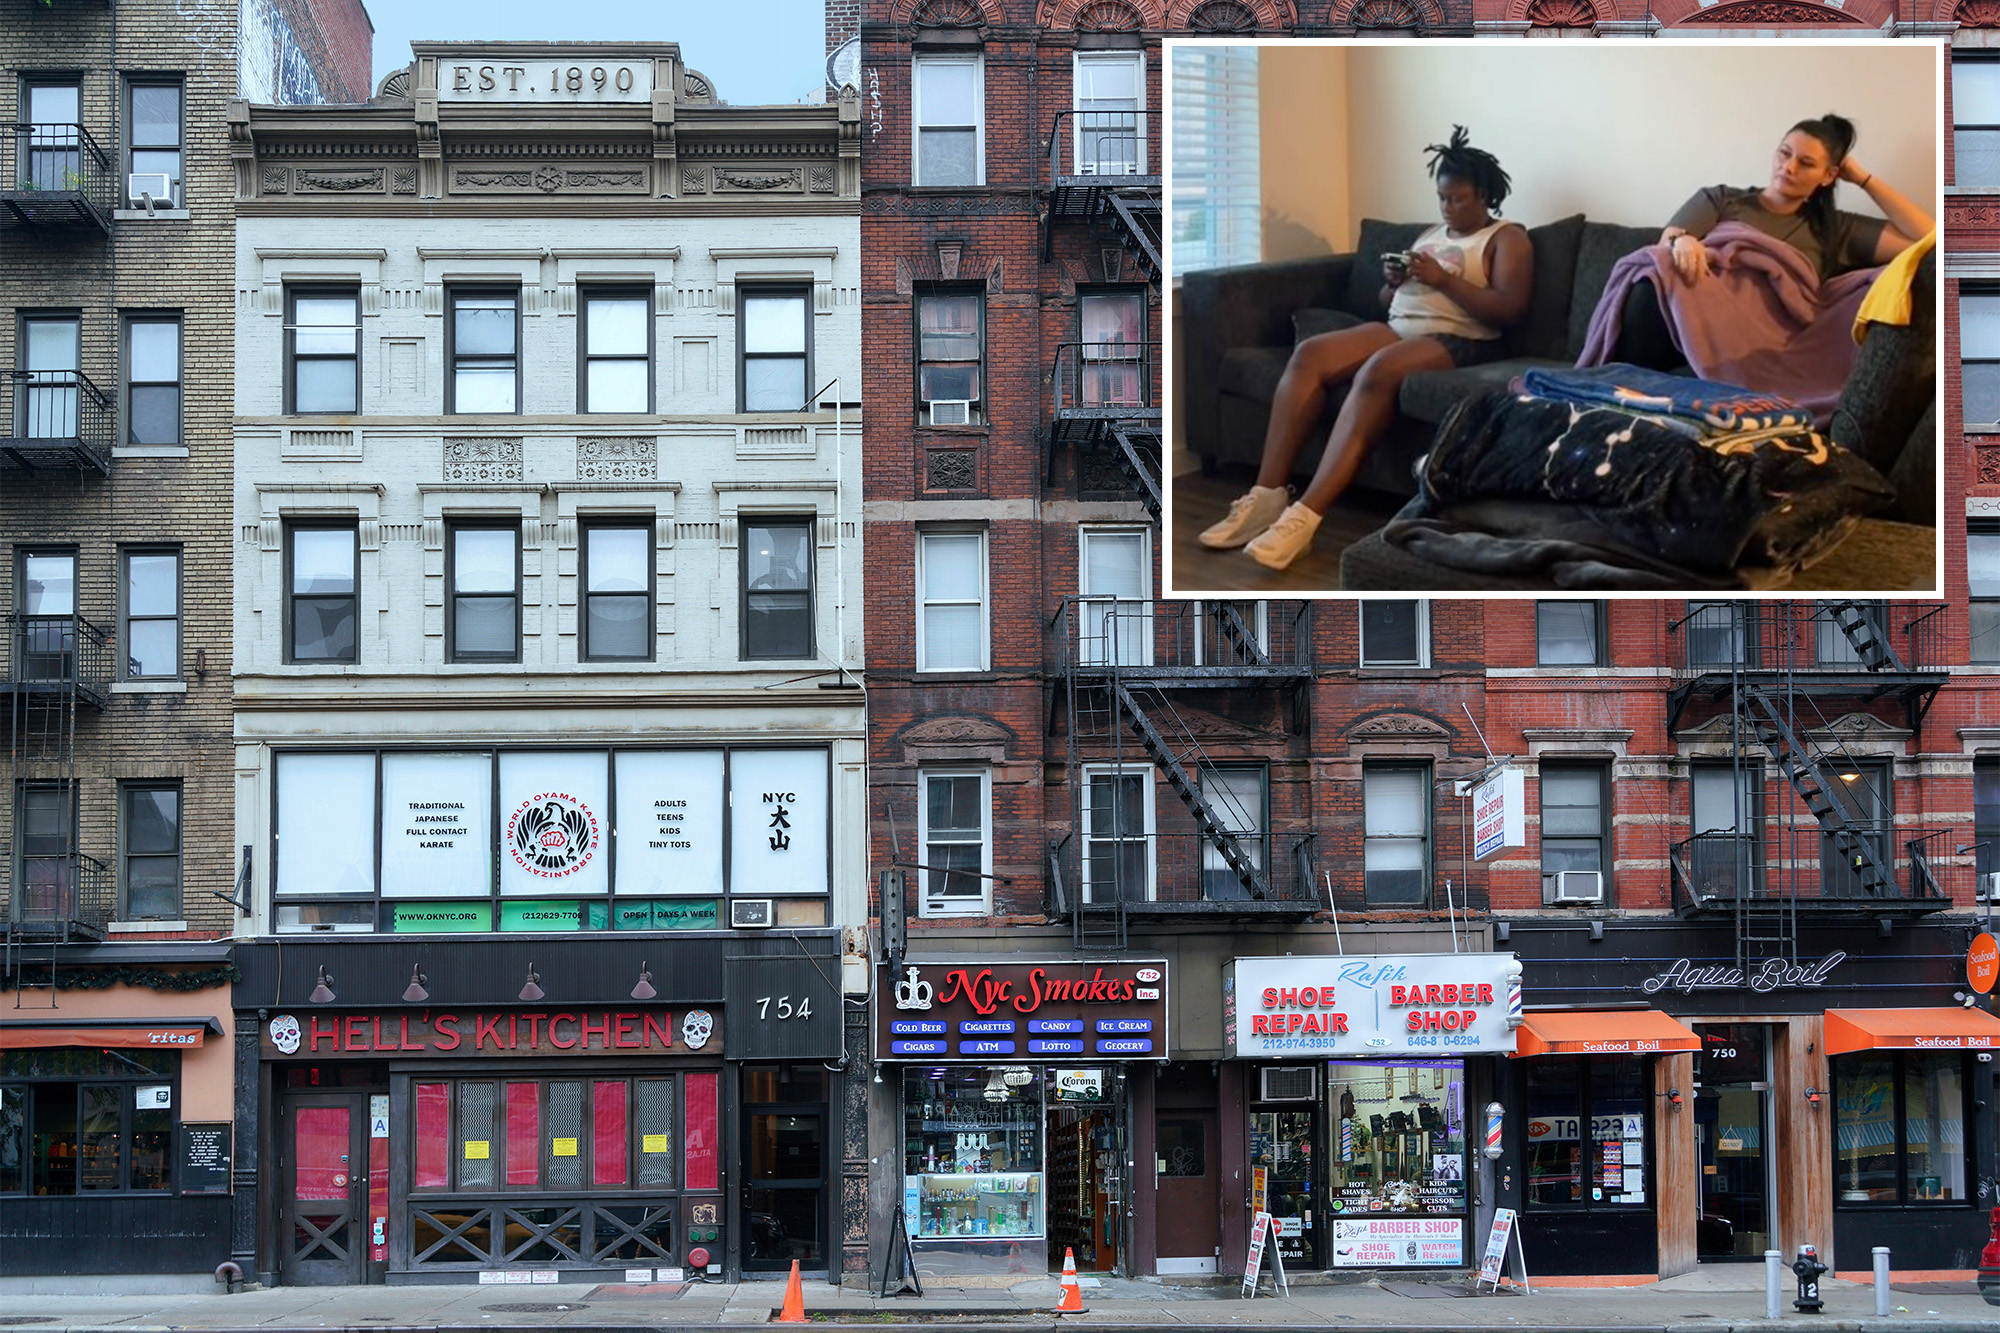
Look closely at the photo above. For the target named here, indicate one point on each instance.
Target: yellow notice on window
(562, 1147)
(653, 1143)
(475, 1150)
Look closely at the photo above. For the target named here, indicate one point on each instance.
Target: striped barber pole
(1347, 1140)
(1493, 1118)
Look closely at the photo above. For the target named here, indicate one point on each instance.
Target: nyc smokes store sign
(1382, 1004)
(978, 1010)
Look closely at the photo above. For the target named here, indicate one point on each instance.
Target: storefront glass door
(1731, 1117)
(784, 1178)
(322, 1232)
(1283, 1142)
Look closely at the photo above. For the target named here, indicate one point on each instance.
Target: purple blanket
(1760, 318)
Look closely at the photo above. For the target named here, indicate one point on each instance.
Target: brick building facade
(116, 254)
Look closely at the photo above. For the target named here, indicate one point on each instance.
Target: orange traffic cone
(795, 1300)
(1072, 1294)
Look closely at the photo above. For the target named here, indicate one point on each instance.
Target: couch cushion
(1603, 245)
(1253, 372)
(1313, 321)
(1364, 279)
(1544, 332)
(1429, 394)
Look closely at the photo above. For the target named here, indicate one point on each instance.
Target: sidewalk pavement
(1712, 1300)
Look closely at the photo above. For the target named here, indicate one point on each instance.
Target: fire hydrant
(1808, 1268)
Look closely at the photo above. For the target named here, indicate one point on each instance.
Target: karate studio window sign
(979, 1011)
(1384, 1004)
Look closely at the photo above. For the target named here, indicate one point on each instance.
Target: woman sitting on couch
(1449, 297)
(1795, 208)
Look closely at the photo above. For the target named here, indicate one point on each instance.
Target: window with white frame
(1217, 208)
(1228, 633)
(1238, 798)
(1110, 113)
(1114, 623)
(1118, 834)
(949, 102)
(955, 830)
(1569, 633)
(1574, 831)
(951, 602)
(1395, 634)
(1396, 806)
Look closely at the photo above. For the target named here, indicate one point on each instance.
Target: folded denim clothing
(1709, 404)
(1742, 509)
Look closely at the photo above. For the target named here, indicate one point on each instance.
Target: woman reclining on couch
(1462, 282)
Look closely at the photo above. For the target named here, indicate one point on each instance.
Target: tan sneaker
(1251, 512)
(1287, 539)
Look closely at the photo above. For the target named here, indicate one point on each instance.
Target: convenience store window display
(972, 1145)
(1398, 1138)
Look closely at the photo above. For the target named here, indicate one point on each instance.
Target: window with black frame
(152, 379)
(1588, 1118)
(484, 350)
(323, 350)
(618, 591)
(1979, 340)
(949, 341)
(87, 1121)
(322, 574)
(1901, 1128)
(1569, 633)
(154, 114)
(1720, 634)
(150, 852)
(617, 343)
(1575, 832)
(777, 588)
(1982, 578)
(484, 572)
(1975, 118)
(775, 349)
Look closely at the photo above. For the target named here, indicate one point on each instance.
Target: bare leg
(1316, 364)
(1367, 414)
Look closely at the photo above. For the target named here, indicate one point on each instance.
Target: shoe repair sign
(1383, 1004)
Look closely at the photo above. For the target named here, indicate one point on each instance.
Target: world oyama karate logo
(552, 835)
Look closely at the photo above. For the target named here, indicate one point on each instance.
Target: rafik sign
(552, 834)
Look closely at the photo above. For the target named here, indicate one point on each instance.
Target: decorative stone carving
(1988, 459)
(277, 180)
(947, 14)
(1979, 14)
(548, 180)
(403, 180)
(950, 470)
(1562, 14)
(337, 182)
(396, 86)
(1760, 12)
(482, 460)
(822, 180)
(696, 87)
(956, 205)
(1108, 16)
(1113, 259)
(1399, 726)
(1222, 16)
(1101, 470)
(730, 180)
(618, 458)
(1385, 14)
(694, 180)
(495, 180)
(948, 253)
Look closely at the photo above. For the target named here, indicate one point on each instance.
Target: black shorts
(1467, 351)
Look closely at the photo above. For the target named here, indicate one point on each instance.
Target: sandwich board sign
(1264, 1228)
(1505, 1235)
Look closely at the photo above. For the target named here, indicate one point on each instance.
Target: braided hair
(1838, 134)
(1459, 160)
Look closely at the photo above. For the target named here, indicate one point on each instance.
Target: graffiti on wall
(272, 67)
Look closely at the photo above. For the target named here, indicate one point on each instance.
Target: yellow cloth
(1888, 299)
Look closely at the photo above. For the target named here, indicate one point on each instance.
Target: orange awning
(1603, 1032)
(1947, 1029)
(176, 1034)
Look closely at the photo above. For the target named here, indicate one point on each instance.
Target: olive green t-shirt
(1854, 236)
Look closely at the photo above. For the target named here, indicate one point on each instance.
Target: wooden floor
(1198, 501)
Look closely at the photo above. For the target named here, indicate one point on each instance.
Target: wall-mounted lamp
(415, 993)
(1673, 1096)
(1813, 1096)
(878, 1073)
(532, 992)
(644, 990)
(1502, 932)
(1596, 931)
(323, 992)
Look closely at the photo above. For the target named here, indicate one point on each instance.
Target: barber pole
(1515, 1015)
(1347, 1140)
(1494, 1116)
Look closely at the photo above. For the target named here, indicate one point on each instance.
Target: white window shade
(954, 612)
(326, 824)
(437, 834)
(1217, 204)
(778, 821)
(670, 822)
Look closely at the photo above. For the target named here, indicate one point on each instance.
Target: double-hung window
(1393, 634)
(1237, 796)
(1979, 347)
(617, 336)
(46, 598)
(1725, 855)
(51, 391)
(951, 610)
(1720, 634)
(323, 572)
(1118, 834)
(777, 587)
(150, 852)
(1975, 120)
(484, 571)
(323, 338)
(1569, 634)
(949, 98)
(955, 830)
(775, 357)
(949, 338)
(46, 868)
(1115, 617)
(150, 606)
(484, 350)
(618, 591)
(1396, 812)
(154, 113)
(54, 156)
(152, 379)
(1110, 113)
(1575, 868)
(1113, 366)
(1982, 578)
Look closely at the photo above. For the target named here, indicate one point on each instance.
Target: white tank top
(1418, 309)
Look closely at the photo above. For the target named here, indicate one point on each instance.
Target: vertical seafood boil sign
(972, 1009)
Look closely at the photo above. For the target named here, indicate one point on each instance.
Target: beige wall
(208, 1083)
(1622, 133)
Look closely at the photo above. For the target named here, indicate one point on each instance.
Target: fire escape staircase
(1139, 458)
(1172, 760)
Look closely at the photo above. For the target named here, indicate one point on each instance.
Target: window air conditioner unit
(1293, 1083)
(749, 913)
(951, 411)
(154, 185)
(1579, 886)
(1989, 887)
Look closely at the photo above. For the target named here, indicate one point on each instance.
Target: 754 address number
(784, 1006)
